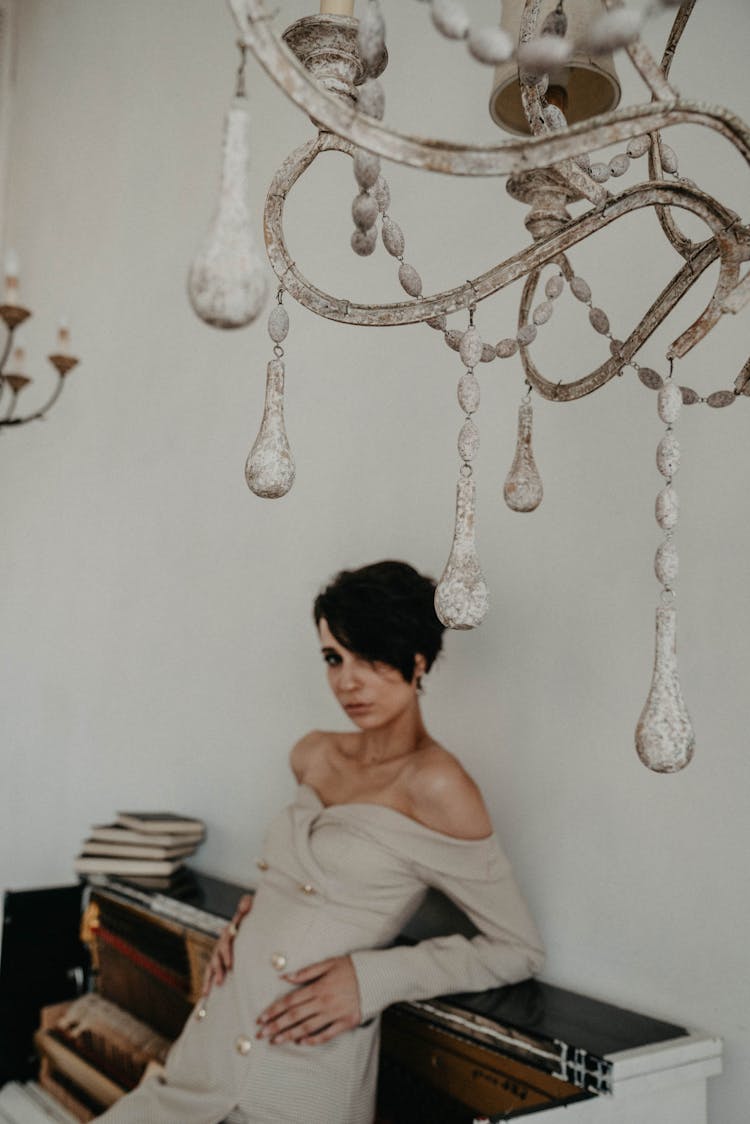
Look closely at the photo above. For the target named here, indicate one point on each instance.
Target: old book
(101, 864)
(160, 821)
(137, 850)
(116, 833)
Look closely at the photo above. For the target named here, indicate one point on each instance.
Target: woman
(288, 1028)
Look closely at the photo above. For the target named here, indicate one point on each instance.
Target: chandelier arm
(729, 272)
(5, 354)
(8, 420)
(739, 296)
(679, 240)
(721, 221)
(515, 155)
(4, 359)
(645, 63)
(681, 243)
(8, 415)
(680, 22)
(656, 314)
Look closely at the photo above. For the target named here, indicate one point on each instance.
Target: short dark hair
(384, 612)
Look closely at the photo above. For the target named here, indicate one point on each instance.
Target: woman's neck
(405, 735)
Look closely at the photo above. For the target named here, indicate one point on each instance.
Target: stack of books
(141, 845)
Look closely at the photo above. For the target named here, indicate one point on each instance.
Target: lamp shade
(591, 84)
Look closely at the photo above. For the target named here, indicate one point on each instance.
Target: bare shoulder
(444, 796)
(309, 751)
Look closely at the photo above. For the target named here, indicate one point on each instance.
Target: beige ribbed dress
(336, 880)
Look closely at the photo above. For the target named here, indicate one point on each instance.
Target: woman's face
(372, 693)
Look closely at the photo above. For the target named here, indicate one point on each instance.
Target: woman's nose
(348, 677)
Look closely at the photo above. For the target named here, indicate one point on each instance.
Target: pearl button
(307, 888)
(278, 961)
(243, 1045)
(261, 864)
(200, 1013)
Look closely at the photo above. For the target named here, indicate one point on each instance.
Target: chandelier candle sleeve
(336, 7)
(63, 336)
(12, 271)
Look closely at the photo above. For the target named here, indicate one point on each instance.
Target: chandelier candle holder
(555, 90)
(13, 377)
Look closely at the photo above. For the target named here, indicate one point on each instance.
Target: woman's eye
(331, 659)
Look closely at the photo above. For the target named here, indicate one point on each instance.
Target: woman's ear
(420, 665)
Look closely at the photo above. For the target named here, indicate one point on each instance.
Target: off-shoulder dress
(336, 880)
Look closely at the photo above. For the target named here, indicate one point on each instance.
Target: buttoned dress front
(335, 881)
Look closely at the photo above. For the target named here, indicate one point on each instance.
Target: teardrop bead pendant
(227, 283)
(461, 597)
(523, 489)
(270, 470)
(664, 735)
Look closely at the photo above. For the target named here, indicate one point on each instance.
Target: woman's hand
(324, 1004)
(221, 957)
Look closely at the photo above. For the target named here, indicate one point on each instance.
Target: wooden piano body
(494, 1056)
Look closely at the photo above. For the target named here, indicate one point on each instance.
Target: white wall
(155, 616)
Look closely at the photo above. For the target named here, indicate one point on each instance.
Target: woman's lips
(356, 708)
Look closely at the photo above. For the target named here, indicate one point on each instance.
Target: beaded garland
(664, 737)
(550, 50)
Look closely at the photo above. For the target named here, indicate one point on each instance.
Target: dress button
(261, 864)
(278, 961)
(243, 1045)
(307, 888)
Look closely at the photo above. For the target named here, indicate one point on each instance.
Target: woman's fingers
(311, 972)
(222, 957)
(244, 905)
(285, 1025)
(326, 1033)
(303, 1030)
(271, 1019)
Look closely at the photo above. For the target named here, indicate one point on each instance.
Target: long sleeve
(507, 948)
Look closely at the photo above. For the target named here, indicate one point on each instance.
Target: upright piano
(493, 1056)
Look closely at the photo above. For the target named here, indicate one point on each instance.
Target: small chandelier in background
(13, 378)
(556, 90)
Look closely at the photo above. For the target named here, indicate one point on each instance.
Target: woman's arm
(507, 948)
(475, 874)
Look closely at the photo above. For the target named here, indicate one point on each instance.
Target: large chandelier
(556, 91)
